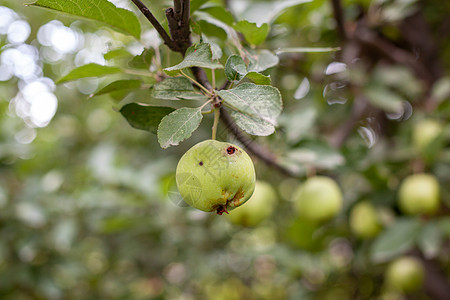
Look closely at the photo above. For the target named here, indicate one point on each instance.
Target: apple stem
(216, 122)
(222, 209)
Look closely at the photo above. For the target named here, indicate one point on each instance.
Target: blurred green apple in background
(419, 194)
(405, 274)
(215, 176)
(318, 199)
(364, 221)
(425, 132)
(258, 208)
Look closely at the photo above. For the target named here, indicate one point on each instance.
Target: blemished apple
(419, 194)
(364, 221)
(318, 199)
(405, 274)
(258, 208)
(215, 176)
(425, 132)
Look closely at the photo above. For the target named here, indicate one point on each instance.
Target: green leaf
(117, 54)
(100, 10)
(176, 88)
(253, 33)
(396, 240)
(441, 89)
(178, 126)
(318, 154)
(220, 13)
(444, 226)
(252, 125)
(210, 29)
(199, 55)
(195, 4)
(261, 103)
(262, 60)
(258, 78)
(385, 99)
(307, 49)
(430, 240)
(119, 85)
(89, 70)
(268, 11)
(145, 117)
(235, 68)
(142, 61)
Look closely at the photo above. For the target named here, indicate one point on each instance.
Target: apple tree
(317, 129)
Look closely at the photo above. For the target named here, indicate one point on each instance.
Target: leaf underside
(178, 126)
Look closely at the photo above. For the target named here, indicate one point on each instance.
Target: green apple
(419, 194)
(318, 199)
(259, 207)
(405, 274)
(364, 221)
(425, 132)
(215, 176)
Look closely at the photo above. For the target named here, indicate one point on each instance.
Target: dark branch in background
(360, 43)
(369, 38)
(366, 43)
(178, 20)
(339, 18)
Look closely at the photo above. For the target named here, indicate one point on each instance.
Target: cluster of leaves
(255, 106)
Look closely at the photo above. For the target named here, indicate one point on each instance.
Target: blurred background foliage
(86, 202)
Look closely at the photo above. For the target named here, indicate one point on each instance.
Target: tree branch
(339, 18)
(254, 148)
(369, 38)
(178, 19)
(179, 29)
(162, 32)
(177, 7)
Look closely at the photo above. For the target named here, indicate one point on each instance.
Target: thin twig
(162, 32)
(216, 122)
(196, 83)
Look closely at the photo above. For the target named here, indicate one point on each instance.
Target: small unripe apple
(364, 221)
(215, 176)
(405, 274)
(318, 199)
(425, 132)
(419, 194)
(259, 207)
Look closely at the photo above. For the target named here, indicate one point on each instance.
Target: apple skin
(405, 274)
(318, 199)
(364, 221)
(425, 132)
(419, 194)
(258, 208)
(215, 176)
